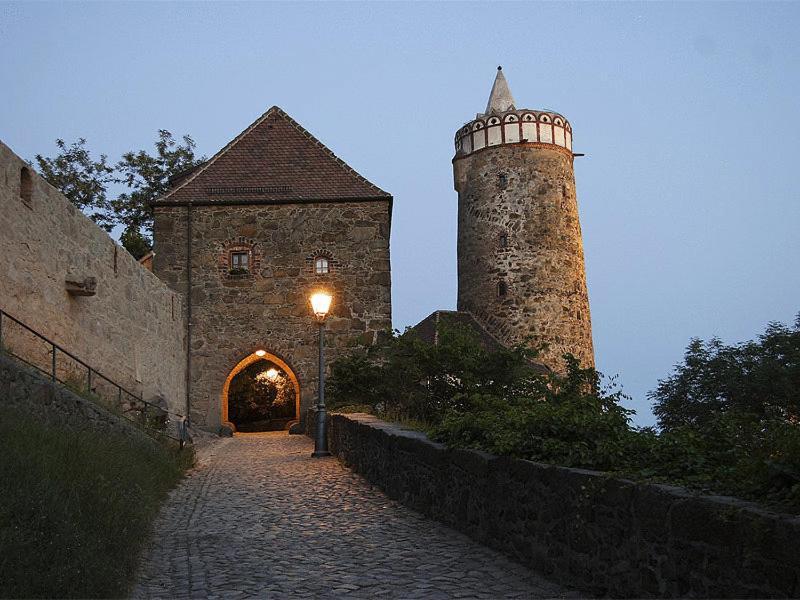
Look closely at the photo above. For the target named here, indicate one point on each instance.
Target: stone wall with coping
(131, 330)
(583, 528)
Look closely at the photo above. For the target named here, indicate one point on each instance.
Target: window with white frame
(240, 260)
(321, 265)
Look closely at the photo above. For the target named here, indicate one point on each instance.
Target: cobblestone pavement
(260, 517)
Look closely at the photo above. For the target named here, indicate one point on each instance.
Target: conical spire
(500, 100)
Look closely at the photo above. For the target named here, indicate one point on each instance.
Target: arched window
(321, 265)
(503, 241)
(502, 289)
(25, 185)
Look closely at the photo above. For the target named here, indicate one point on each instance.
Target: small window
(240, 261)
(503, 241)
(321, 265)
(25, 185)
(502, 289)
(502, 181)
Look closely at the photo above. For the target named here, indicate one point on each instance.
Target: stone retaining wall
(25, 389)
(582, 528)
(131, 329)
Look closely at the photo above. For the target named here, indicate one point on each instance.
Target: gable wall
(131, 330)
(232, 317)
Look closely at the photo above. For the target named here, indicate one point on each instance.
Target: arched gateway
(261, 393)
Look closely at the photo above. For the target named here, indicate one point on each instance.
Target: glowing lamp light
(321, 304)
(272, 374)
(261, 353)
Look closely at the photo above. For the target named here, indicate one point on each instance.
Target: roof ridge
(272, 110)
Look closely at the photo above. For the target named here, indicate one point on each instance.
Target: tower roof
(274, 159)
(500, 100)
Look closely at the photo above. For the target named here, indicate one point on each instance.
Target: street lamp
(321, 304)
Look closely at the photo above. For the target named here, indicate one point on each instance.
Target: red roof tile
(274, 159)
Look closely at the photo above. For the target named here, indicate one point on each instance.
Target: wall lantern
(321, 304)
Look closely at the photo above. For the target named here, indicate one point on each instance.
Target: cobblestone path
(260, 518)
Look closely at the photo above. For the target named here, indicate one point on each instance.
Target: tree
(135, 243)
(147, 177)
(759, 378)
(81, 179)
(85, 182)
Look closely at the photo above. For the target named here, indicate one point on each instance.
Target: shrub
(728, 416)
(495, 400)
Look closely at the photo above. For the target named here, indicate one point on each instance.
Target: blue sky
(688, 115)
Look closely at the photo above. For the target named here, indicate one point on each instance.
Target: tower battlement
(514, 127)
(503, 123)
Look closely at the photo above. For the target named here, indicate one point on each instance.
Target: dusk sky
(689, 116)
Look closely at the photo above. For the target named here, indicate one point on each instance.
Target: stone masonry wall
(234, 315)
(131, 330)
(518, 227)
(583, 528)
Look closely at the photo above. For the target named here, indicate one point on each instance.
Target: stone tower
(520, 255)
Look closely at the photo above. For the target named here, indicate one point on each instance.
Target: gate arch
(243, 364)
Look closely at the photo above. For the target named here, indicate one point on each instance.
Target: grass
(77, 507)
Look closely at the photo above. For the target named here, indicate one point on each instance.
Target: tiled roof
(274, 159)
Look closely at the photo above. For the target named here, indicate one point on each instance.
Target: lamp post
(321, 304)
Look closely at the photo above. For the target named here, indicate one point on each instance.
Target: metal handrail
(182, 420)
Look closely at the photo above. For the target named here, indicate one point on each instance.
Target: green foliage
(146, 176)
(77, 507)
(566, 421)
(759, 378)
(729, 418)
(135, 242)
(728, 415)
(494, 400)
(81, 179)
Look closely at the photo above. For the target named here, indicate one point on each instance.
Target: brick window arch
(239, 258)
(321, 265)
(322, 262)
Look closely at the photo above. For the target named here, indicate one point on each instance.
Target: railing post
(53, 375)
(89, 380)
